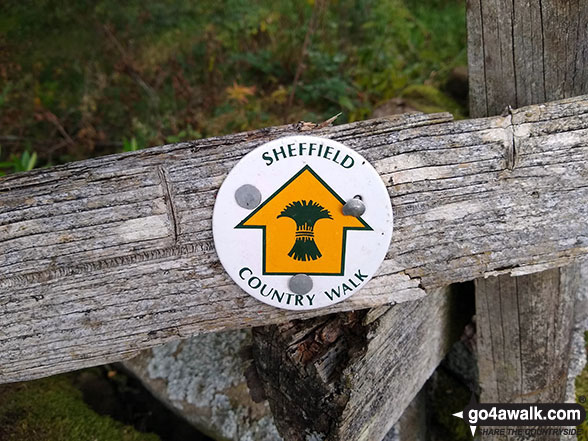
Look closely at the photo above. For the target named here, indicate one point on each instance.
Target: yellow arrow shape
(282, 254)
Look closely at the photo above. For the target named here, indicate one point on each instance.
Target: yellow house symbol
(304, 228)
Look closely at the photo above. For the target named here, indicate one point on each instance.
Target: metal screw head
(354, 207)
(300, 284)
(248, 196)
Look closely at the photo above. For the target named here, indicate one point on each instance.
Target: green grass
(81, 79)
(52, 409)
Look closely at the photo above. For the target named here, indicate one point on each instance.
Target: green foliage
(184, 135)
(130, 145)
(53, 410)
(430, 100)
(15, 163)
(4, 94)
(162, 71)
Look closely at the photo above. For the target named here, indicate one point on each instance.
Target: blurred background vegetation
(81, 79)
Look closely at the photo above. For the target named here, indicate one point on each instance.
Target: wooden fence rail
(105, 257)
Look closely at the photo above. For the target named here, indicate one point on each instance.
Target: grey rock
(203, 380)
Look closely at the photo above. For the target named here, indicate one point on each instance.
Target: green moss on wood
(429, 99)
(52, 409)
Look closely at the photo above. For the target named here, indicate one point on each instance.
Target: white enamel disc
(279, 225)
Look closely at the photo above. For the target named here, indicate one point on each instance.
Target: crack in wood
(103, 264)
(511, 148)
(169, 201)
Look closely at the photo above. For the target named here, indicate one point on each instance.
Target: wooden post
(524, 331)
(350, 376)
(523, 52)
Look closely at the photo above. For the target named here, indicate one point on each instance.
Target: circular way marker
(280, 228)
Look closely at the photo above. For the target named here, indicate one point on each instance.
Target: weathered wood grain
(524, 341)
(102, 258)
(350, 376)
(524, 52)
(524, 338)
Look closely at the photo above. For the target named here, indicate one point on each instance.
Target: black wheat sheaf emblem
(305, 215)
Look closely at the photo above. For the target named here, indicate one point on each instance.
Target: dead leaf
(304, 126)
(240, 93)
